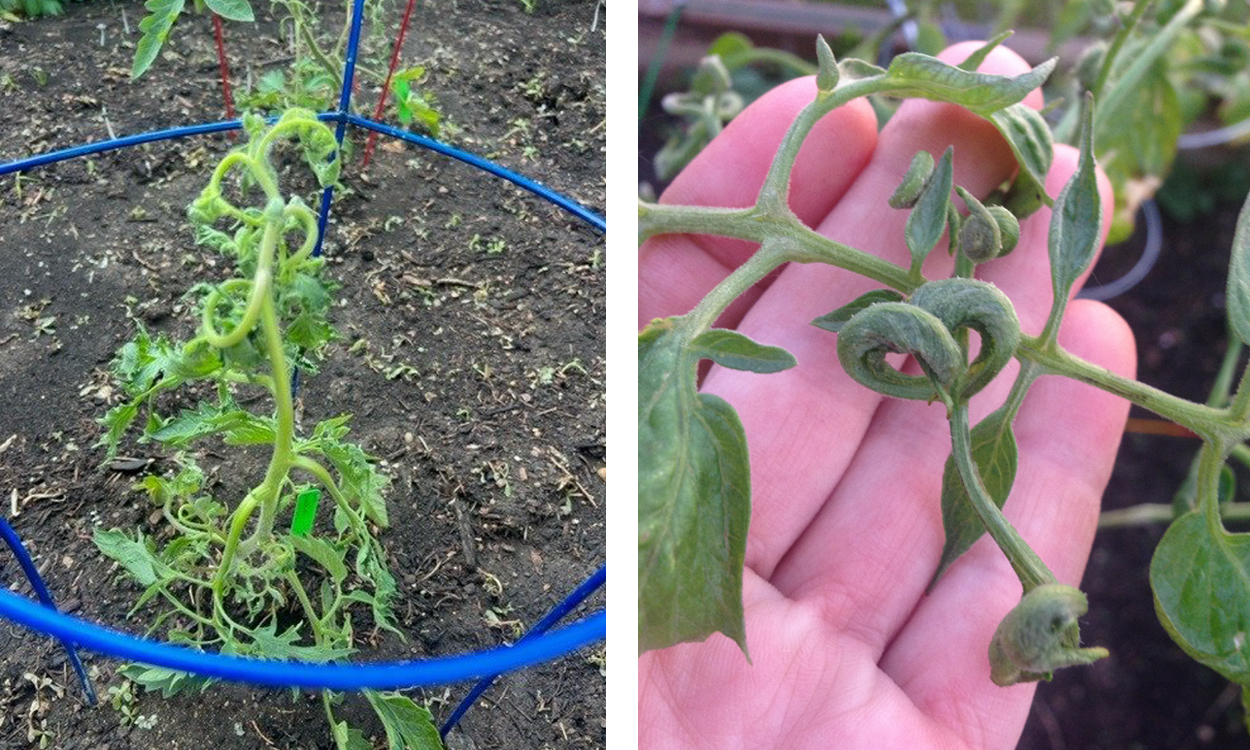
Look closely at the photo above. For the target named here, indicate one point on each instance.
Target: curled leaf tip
(1040, 635)
(714, 67)
(902, 328)
(968, 303)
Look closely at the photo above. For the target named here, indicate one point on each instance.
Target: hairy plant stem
(266, 495)
(1152, 513)
(1224, 378)
(1028, 566)
(783, 238)
(1241, 452)
(1207, 422)
(310, 612)
(1210, 461)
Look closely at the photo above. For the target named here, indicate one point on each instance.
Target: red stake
(225, 70)
(386, 86)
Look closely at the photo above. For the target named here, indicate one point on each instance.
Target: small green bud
(1039, 636)
(980, 239)
(827, 74)
(1089, 65)
(1008, 225)
(914, 181)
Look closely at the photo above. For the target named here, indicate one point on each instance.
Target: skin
(847, 649)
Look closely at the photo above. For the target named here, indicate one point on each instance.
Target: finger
(676, 271)
(871, 587)
(805, 425)
(1068, 434)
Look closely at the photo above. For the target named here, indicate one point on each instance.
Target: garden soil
(471, 356)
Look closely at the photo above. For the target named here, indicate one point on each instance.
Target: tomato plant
(228, 576)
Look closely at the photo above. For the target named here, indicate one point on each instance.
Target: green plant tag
(305, 511)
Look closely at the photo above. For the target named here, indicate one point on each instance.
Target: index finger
(676, 271)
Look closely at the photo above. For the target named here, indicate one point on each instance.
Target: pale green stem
(1152, 513)
(803, 245)
(763, 262)
(769, 55)
(1242, 453)
(325, 703)
(261, 284)
(266, 495)
(184, 528)
(334, 69)
(309, 611)
(773, 192)
(185, 610)
(284, 433)
(1239, 409)
(255, 379)
(1207, 422)
(1224, 379)
(1028, 566)
(238, 522)
(1210, 463)
(323, 475)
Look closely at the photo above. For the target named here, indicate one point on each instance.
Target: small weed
(489, 245)
(124, 701)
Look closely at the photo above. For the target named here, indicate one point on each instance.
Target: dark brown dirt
(480, 384)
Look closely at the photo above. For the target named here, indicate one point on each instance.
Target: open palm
(847, 649)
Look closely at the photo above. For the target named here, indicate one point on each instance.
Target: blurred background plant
(16, 10)
(1179, 77)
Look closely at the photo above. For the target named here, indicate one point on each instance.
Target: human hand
(847, 649)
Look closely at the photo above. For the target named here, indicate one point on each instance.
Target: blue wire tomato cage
(539, 644)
